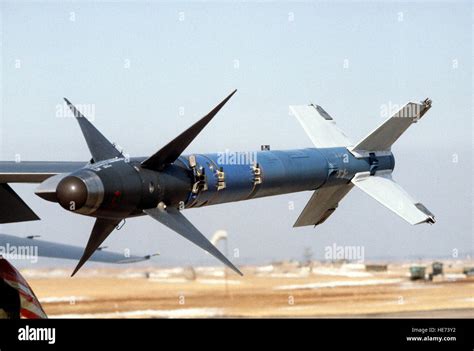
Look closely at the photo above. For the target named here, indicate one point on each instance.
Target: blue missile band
(266, 173)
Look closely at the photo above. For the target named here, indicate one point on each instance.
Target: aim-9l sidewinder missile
(112, 187)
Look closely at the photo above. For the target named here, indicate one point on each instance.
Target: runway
(279, 290)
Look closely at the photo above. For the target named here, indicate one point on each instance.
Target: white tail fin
(319, 126)
(322, 204)
(324, 133)
(383, 189)
(382, 138)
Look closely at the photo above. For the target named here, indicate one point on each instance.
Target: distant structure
(469, 271)
(308, 258)
(417, 272)
(376, 267)
(221, 235)
(436, 269)
(189, 273)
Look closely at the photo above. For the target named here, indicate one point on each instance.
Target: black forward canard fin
(176, 221)
(171, 151)
(99, 147)
(102, 229)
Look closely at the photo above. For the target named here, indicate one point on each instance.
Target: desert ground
(285, 289)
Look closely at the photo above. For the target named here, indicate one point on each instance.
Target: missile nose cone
(72, 193)
(81, 191)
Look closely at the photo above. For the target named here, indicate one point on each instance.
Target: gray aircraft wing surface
(35, 171)
(57, 250)
(12, 207)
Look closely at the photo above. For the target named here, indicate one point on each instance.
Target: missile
(111, 187)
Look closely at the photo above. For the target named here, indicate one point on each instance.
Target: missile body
(220, 178)
(123, 188)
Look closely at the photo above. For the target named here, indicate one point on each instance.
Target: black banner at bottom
(416, 334)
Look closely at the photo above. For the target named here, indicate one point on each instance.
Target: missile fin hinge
(200, 178)
(220, 179)
(192, 161)
(374, 163)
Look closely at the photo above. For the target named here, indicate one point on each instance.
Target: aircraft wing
(34, 171)
(12, 208)
(56, 250)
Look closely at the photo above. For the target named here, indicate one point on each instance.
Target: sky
(145, 71)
